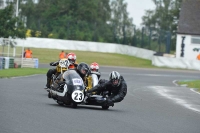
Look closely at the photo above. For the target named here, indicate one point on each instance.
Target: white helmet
(114, 77)
(94, 66)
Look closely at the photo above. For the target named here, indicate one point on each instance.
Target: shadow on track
(84, 107)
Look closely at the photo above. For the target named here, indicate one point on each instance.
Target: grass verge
(15, 72)
(191, 84)
(51, 55)
(108, 59)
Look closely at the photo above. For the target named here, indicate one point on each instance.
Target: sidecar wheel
(105, 107)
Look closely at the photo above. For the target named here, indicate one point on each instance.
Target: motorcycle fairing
(61, 67)
(73, 86)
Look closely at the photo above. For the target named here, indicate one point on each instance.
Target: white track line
(192, 89)
(163, 92)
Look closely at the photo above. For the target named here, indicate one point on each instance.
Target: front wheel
(49, 95)
(74, 105)
(105, 107)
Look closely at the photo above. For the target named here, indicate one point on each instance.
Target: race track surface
(154, 104)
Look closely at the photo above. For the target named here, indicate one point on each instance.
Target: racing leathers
(50, 73)
(117, 93)
(97, 73)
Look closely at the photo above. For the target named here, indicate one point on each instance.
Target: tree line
(84, 20)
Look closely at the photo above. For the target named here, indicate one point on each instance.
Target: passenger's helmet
(71, 58)
(83, 69)
(94, 67)
(114, 77)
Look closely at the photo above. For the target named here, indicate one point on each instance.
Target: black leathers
(117, 93)
(51, 72)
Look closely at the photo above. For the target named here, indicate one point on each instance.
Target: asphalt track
(154, 104)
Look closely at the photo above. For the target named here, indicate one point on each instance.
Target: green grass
(15, 72)
(108, 59)
(50, 55)
(191, 84)
(104, 59)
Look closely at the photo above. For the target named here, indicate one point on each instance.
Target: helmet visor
(72, 61)
(115, 81)
(83, 71)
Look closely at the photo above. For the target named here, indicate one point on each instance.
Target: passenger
(73, 64)
(116, 86)
(94, 68)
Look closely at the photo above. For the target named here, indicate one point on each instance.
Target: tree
(122, 24)
(164, 17)
(78, 19)
(8, 27)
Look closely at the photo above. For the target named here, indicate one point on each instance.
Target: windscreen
(72, 78)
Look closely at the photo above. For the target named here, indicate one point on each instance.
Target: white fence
(159, 61)
(85, 46)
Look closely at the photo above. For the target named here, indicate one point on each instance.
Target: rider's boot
(48, 83)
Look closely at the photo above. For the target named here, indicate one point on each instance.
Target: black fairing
(72, 88)
(73, 81)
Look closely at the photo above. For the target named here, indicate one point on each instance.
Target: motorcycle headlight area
(77, 96)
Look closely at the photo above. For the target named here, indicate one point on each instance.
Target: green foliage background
(10, 26)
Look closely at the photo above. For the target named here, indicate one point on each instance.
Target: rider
(73, 64)
(83, 70)
(116, 86)
(94, 68)
(72, 60)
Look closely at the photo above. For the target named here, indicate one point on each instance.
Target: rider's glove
(101, 81)
(54, 63)
(109, 102)
(51, 63)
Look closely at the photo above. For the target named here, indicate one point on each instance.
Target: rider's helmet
(114, 77)
(71, 58)
(94, 67)
(83, 69)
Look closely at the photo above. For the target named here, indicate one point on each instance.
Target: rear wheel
(105, 107)
(60, 103)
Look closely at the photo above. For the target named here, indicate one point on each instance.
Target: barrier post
(6, 62)
(1, 63)
(36, 62)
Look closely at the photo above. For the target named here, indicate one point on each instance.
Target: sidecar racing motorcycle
(69, 89)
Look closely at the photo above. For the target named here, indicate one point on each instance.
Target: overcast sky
(136, 9)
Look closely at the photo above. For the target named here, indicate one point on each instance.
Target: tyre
(105, 107)
(60, 103)
(49, 95)
(74, 105)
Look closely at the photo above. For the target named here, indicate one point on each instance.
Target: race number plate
(77, 81)
(77, 96)
(62, 62)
